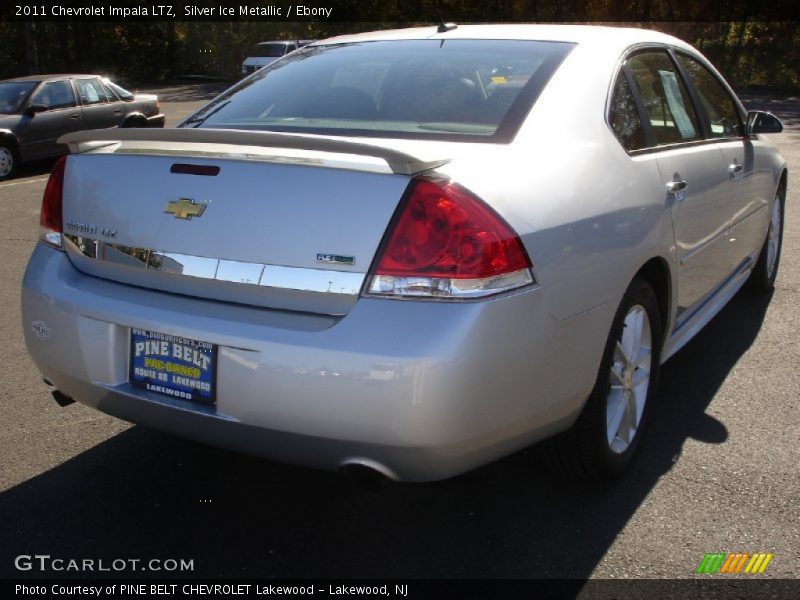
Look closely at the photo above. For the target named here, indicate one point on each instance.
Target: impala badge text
(91, 229)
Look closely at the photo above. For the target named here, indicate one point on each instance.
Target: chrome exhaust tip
(366, 472)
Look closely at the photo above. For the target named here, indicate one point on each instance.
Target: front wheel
(8, 161)
(604, 440)
(762, 279)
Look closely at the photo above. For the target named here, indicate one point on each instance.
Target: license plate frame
(173, 366)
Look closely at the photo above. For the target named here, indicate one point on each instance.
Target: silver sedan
(412, 251)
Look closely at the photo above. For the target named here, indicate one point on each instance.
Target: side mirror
(35, 108)
(759, 121)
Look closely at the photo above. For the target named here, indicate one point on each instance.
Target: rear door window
(91, 91)
(666, 101)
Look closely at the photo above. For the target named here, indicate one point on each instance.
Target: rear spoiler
(399, 162)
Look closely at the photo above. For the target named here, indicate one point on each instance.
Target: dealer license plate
(173, 366)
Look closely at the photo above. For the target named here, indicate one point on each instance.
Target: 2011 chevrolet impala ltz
(415, 251)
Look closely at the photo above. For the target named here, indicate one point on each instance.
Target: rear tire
(762, 279)
(604, 440)
(9, 159)
(134, 122)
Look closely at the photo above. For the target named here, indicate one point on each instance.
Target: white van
(264, 53)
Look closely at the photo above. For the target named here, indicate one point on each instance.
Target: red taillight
(447, 242)
(50, 216)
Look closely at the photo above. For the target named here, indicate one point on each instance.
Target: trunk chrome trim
(325, 281)
(399, 162)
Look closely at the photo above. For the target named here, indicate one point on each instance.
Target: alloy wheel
(630, 380)
(774, 236)
(6, 161)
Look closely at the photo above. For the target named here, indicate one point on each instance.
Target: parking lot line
(5, 185)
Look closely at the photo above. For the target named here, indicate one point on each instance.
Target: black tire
(762, 279)
(584, 451)
(134, 122)
(8, 154)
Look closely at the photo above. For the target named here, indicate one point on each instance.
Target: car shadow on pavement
(147, 495)
(36, 168)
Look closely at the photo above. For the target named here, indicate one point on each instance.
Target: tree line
(750, 53)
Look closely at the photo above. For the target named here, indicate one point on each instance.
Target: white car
(265, 53)
(413, 251)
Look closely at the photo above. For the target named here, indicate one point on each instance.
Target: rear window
(470, 90)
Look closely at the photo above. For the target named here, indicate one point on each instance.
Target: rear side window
(666, 101)
(624, 116)
(121, 92)
(107, 91)
(468, 90)
(724, 119)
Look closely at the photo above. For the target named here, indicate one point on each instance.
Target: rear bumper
(417, 390)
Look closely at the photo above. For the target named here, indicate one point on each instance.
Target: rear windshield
(468, 90)
(271, 50)
(13, 94)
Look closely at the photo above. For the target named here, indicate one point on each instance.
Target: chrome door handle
(673, 187)
(75, 116)
(735, 168)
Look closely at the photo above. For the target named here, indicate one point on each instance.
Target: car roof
(593, 35)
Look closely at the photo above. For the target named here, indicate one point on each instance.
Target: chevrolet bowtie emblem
(184, 208)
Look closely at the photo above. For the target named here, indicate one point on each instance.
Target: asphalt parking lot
(720, 470)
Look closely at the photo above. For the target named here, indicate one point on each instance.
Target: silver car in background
(36, 110)
(414, 251)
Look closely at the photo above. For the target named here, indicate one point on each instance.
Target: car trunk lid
(276, 221)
